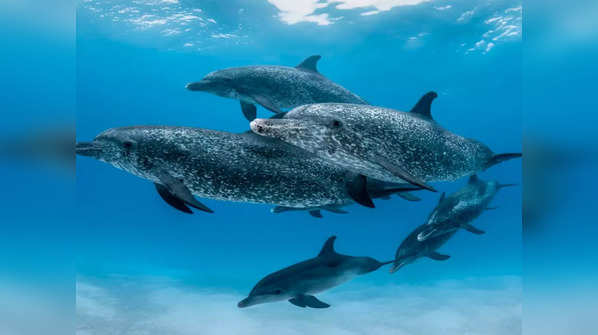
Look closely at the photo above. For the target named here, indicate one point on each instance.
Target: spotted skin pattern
(225, 166)
(357, 137)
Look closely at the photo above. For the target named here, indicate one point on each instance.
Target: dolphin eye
(336, 124)
(277, 292)
(127, 145)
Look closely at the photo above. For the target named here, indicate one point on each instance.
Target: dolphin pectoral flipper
(305, 300)
(266, 103)
(176, 189)
(397, 171)
(171, 199)
(357, 190)
(316, 213)
(249, 110)
(472, 229)
(438, 257)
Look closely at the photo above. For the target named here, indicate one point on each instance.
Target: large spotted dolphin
(275, 87)
(183, 162)
(382, 143)
(299, 282)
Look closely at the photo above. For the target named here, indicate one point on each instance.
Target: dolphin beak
(201, 85)
(276, 127)
(89, 149)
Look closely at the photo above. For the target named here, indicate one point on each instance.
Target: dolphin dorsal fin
(328, 248)
(473, 179)
(310, 64)
(424, 106)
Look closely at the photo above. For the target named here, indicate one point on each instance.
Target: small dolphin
(382, 143)
(275, 87)
(375, 188)
(183, 162)
(411, 249)
(297, 283)
(459, 209)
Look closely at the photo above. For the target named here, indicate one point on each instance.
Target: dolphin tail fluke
(496, 159)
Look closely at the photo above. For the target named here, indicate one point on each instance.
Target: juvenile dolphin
(459, 209)
(298, 283)
(411, 249)
(183, 162)
(382, 143)
(375, 188)
(274, 87)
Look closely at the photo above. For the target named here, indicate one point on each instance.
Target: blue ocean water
(143, 265)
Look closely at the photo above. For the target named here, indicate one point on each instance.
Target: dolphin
(275, 87)
(411, 249)
(375, 188)
(184, 162)
(382, 143)
(299, 282)
(459, 209)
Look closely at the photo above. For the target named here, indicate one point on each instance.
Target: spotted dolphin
(275, 87)
(382, 143)
(458, 210)
(299, 282)
(184, 162)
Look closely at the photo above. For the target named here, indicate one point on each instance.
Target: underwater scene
(298, 167)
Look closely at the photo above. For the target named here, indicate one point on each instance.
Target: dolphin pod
(382, 143)
(331, 150)
(274, 87)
